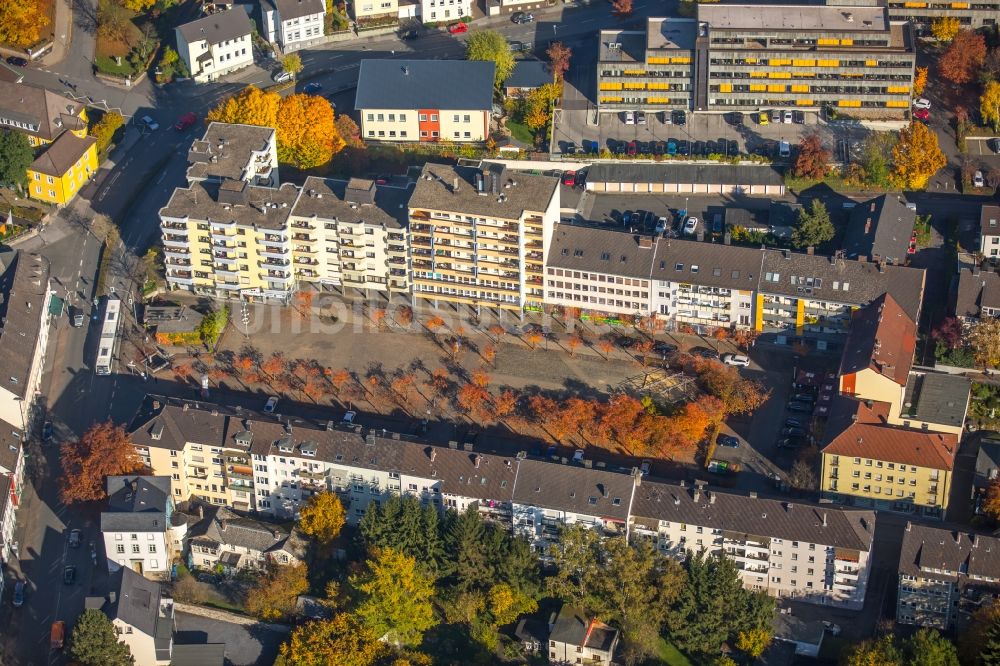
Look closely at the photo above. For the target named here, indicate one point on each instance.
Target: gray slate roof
(10, 446)
(50, 112)
(223, 527)
(446, 85)
(730, 174)
(331, 199)
(137, 504)
(59, 156)
(976, 290)
(217, 28)
(24, 289)
(987, 464)
(224, 150)
(937, 398)
(571, 488)
(792, 521)
(520, 192)
(586, 248)
(293, 9)
(529, 74)
(134, 600)
(571, 628)
(959, 554)
(200, 201)
(202, 654)
(880, 229)
(709, 264)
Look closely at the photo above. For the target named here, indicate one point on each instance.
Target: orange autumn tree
(307, 135)
(250, 106)
(104, 450)
(21, 22)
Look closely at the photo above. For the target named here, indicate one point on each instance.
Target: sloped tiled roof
(880, 229)
(882, 338)
(448, 85)
(570, 488)
(24, 289)
(217, 28)
(60, 156)
(958, 555)
(50, 112)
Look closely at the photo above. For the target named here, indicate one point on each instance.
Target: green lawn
(521, 132)
(670, 655)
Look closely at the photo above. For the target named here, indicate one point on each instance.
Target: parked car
(671, 147)
(57, 635)
(74, 538)
(661, 226)
(791, 431)
(281, 76)
(787, 117)
(408, 35)
(683, 147)
(784, 149)
(664, 348)
(679, 117)
(312, 88)
(806, 407)
(776, 116)
(736, 359)
(16, 61)
(762, 118)
(521, 17)
(569, 178)
(630, 117)
(804, 396)
(47, 431)
(735, 118)
(795, 423)
(633, 148)
(150, 124)
(271, 405)
(644, 467)
(922, 114)
(69, 575)
(659, 147)
(581, 179)
(690, 226)
(728, 441)
(921, 103)
(349, 417)
(799, 117)
(18, 598)
(78, 319)
(640, 118)
(186, 121)
(978, 179)
(458, 28)
(704, 352)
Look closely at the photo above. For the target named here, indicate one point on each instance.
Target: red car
(185, 121)
(633, 148)
(458, 28)
(569, 178)
(921, 114)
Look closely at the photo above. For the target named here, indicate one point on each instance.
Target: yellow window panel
(635, 86)
(828, 63)
(804, 75)
(611, 100)
(803, 63)
(682, 60)
(725, 87)
(611, 86)
(750, 61)
(776, 87)
(658, 86)
(779, 75)
(828, 42)
(757, 87)
(959, 5)
(758, 75)
(804, 102)
(798, 88)
(899, 90)
(634, 72)
(897, 104)
(659, 100)
(871, 63)
(777, 62)
(915, 5)
(847, 42)
(658, 61)
(851, 103)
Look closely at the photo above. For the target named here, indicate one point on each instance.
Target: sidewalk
(63, 34)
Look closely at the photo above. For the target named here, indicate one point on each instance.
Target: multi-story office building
(749, 57)
(815, 553)
(351, 234)
(921, 13)
(821, 551)
(425, 100)
(869, 462)
(478, 235)
(234, 152)
(945, 576)
(651, 70)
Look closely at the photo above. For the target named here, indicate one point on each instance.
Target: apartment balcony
(240, 471)
(300, 224)
(747, 556)
(275, 252)
(303, 237)
(306, 261)
(396, 249)
(534, 258)
(750, 567)
(305, 249)
(174, 226)
(176, 261)
(198, 473)
(226, 272)
(443, 232)
(268, 263)
(173, 240)
(311, 475)
(422, 265)
(180, 277)
(421, 242)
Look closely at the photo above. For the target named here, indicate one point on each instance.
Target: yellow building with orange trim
(56, 126)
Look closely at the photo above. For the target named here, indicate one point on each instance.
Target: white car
(578, 455)
(690, 226)
(630, 117)
(661, 225)
(349, 417)
(921, 103)
(736, 359)
(978, 179)
(787, 118)
(834, 629)
(271, 405)
(640, 118)
(150, 123)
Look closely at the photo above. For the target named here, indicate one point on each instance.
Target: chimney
(201, 512)
(112, 596)
(908, 526)
(727, 238)
(711, 497)
(975, 541)
(958, 538)
(433, 454)
(824, 519)
(479, 459)
(637, 476)
(753, 494)
(277, 535)
(222, 525)
(454, 185)
(696, 495)
(810, 250)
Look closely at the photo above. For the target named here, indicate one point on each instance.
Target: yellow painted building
(63, 168)
(870, 463)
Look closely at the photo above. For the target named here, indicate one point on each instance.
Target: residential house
(445, 11)
(806, 635)
(293, 24)
(815, 553)
(987, 470)
(989, 232)
(217, 44)
(425, 100)
(528, 75)
(226, 151)
(222, 538)
(577, 638)
(375, 11)
(869, 462)
(978, 293)
(945, 576)
(27, 292)
(880, 230)
(143, 616)
(935, 401)
(56, 126)
(351, 234)
(137, 524)
(478, 235)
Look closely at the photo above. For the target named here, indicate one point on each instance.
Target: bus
(108, 343)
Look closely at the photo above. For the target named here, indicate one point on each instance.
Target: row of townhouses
(270, 465)
(490, 236)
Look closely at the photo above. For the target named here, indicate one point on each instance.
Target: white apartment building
(293, 24)
(445, 11)
(814, 553)
(368, 10)
(350, 234)
(234, 152)
(136, 525)
(217, 44)
(24, 334)
(989, 232)
(478, 235)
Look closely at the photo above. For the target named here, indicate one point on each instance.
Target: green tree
(491, 46)
(342, 640)
(94, 642)
(713, 607)
(322, 517)
(403, 524)
(878, 652)
(292, 63)
(16, 155)
(814, 226)
(990, 655)
(274, 596)
(928, 647)
(396, 597)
